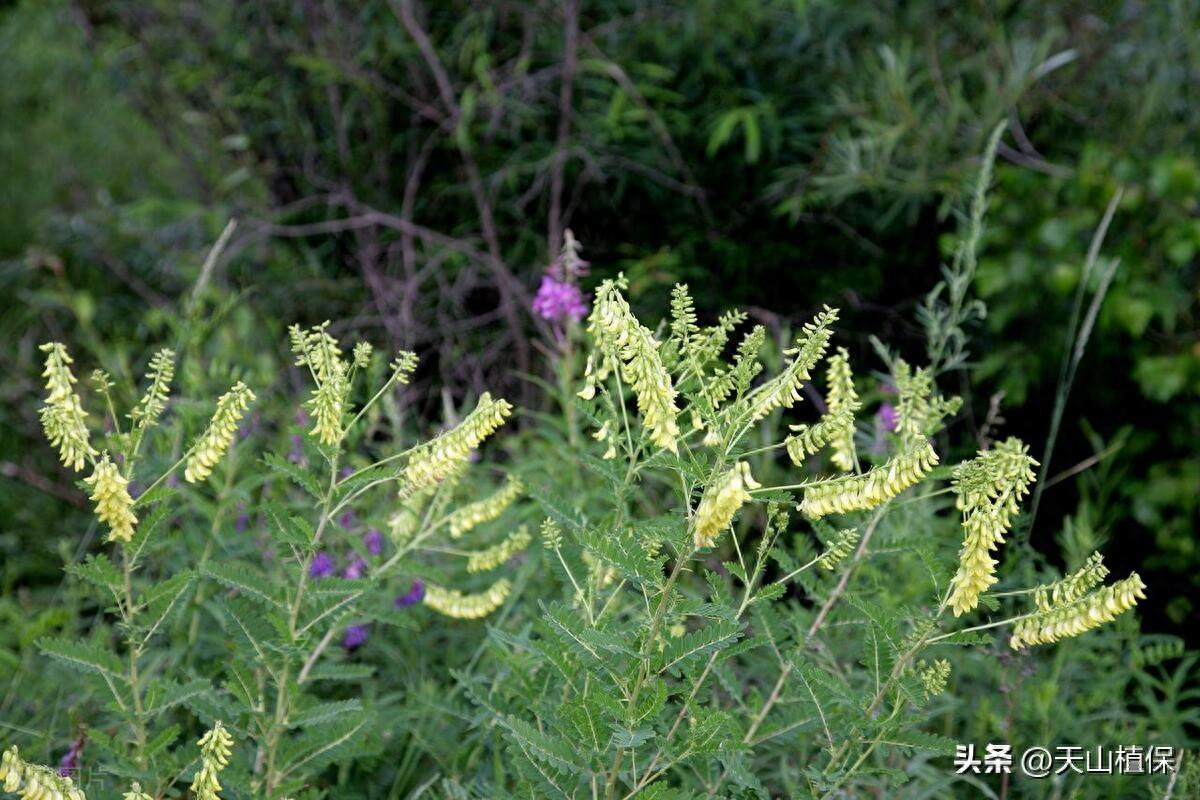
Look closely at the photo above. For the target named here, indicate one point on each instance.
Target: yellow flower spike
(919, 410)
(1071, 588)
(35, 781)
(212, 444)
(453, 603)
(873, 488)
(362, 355)
(551, 534)
(843, 404)
(1080, 616)
(783, 391)
(437, 460)
(839, 548)
(721, 500)
(497, 554)
(114, 506)
(215, 749)
(486, 510)
(11, 767)
(62, 415)
(159, 374)
(622, 338)
(320, 352)
(808, 440)
(934, 677)
(989, 488)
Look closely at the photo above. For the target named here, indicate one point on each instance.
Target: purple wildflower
(243, 519)
(173, 480)
(302, 417)
(70, 760)
(296, 456)
(322, 565)
(887, 416)
(556, 300)
(347, 472)
(355, 569)
(414, 595)
(373, 541)
(346, 520)
(356, 636)
(249, 426)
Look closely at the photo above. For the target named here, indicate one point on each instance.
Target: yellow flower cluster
(453, 603)
(919, 410)
(843, 404)
(721, 500)
(1074, 586)
(485, 510)
(62, 415)
(1073, 619)
(620, 336)
(989, 488)
(34, 781)
(497, 554)
(839, 548)
(212, 444)
(436, 460)
(807, 440)
(114, 506)
(783, 391)
(934, 677)
(551, 534)
(362, 355)
(154, 401)
(873, 488)
(320, 352)
(215, 747)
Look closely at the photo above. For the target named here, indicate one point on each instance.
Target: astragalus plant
(248, 639)
(712, 638)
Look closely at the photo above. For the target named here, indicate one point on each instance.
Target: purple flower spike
(355, 637)
(322, 565)
(356, 568)
(556, 300)
(296, 455)
(887, 416)
(413, 596)
(346, 520)
(373, 541)
(70, 760)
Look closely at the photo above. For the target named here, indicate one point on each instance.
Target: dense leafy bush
(681, 631)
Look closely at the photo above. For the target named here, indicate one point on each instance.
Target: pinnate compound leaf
(83, 656)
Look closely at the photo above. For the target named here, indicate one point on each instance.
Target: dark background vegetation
(407, 169)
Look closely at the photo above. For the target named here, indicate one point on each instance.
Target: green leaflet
(97, 570)
(84, 656)
(243, 579)
(678, 653)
